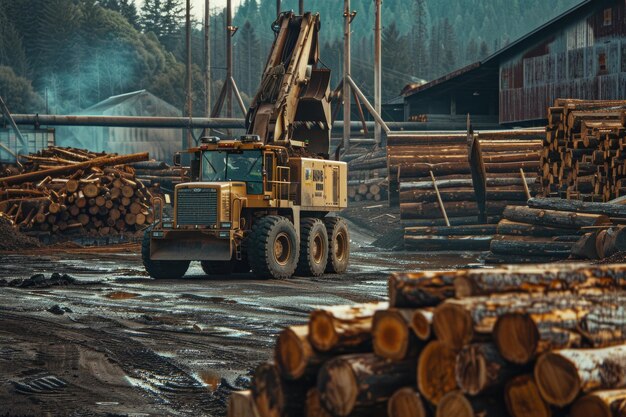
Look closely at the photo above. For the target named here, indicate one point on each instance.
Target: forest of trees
(70, 54)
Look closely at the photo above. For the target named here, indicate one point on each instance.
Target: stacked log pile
(63, 190)
(159, 175)
(427, 171)
(367, 175)
(518, 341)
(550, 229)
(583, 155)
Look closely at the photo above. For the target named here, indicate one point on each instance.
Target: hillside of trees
(66, 55)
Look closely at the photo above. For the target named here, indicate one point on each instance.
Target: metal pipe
(369, 107)
(189, 110)
(301, 7)
(278, 8)
(378, 67)
(129, 121)
(347, 16)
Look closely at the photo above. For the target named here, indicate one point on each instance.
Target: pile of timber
(517, 341)
(428, 171)
(583, 156)
(159, 175)
(367, 175)
(63, 190)
(550, 229)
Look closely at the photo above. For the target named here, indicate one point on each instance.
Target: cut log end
(436, 371)
(292, 353)
(454, 404)
(471, 370)
(453, 325)
(590, 405)
(314, 406)
(241, 404)
(517, 337)
(406, 402)
(463, 287)
(421, 324)
(339, 389)
(557, 379)
(267, 392)
(391, 335)
(523, 399)
(322, 334)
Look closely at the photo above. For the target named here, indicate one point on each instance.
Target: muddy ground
(115, 342)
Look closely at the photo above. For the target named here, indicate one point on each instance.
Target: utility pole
(207, 57)
(229, 57)
(188, 110)
(301, 7)
(378, 68)
(347, 15)
(277, 8)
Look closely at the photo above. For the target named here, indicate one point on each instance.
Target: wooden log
(468, 230)
(553, 218)
(454, 221)
(513, 245)
(458, 405)
(343, 328)
(241, 404)
(480, 369)
(500, 181)
(64, 170)
(436, 371)
(562, 375)
(406, 402)
(421, 289)
(612, 242)
(453, 209)
(392, 336)
(610, 403)
(586, 247)
(454, 194)
(295, 356)
(507, 227)
(352, 382)
(313, 405)
(499, 259)
(421, 323)
(522, 398)
(273, 396)
(608, 209)
(447, 243)
(540, 279)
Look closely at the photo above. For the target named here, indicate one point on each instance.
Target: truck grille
(196, 206)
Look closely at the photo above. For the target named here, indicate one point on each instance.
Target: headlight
(226, 225)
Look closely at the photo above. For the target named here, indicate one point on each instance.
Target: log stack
(160, 176)
(62, 190)
(518, 341)
(582, 157)
(412, 159)
(367, 175)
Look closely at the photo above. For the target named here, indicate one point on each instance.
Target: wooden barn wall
(586, 60)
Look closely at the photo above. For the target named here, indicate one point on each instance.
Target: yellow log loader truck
(262, 203)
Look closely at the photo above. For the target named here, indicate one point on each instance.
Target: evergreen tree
(472, 51)
(484, 50)
(449, 46)
(420, 63)
(126, 8)
(164, 18)
(395, 63)
(248, 63)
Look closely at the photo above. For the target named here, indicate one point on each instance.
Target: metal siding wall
(571, 69)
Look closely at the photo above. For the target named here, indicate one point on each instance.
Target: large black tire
(218, 268)
(273, 248)
(338, 245)
(161, 269)
(313, 248)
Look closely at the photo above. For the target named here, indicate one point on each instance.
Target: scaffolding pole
(188, 110)
(348, 16)
(378, 67)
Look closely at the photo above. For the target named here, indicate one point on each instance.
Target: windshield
(245, 166)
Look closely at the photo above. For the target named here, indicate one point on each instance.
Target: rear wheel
(273, 248)
(313, 248)
(338, 245)
(161, 269)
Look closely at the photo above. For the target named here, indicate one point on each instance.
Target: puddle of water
(211, 378)
(121, 295)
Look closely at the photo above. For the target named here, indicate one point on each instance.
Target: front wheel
(338, 245)
(273, 249)
(161, 269)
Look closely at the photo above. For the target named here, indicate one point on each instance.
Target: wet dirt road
(119, 343)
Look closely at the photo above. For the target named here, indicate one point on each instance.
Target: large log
(468, 230)
(421, 323)
(500, 181)
(458, 405)
(509, 245)
(393, 338)
(273, 396)
(522, 398)
(562, 375)
(406, 402)
(352, 382)
(540, 278)
(463, 194)
(69, 169)
(586, 247)
(343, 328)
(241, 404)
(294, 354)
(436, 371)
(313, 405)
(410, 211)
(454, 221)
(610, 403)
(480, 368)
(608, 209)
(554, 218)
(520, 259)
(420, 289)
(507, 227)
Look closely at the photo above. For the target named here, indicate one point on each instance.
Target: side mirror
(177, 159)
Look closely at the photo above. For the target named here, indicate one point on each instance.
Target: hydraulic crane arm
(292, 107)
